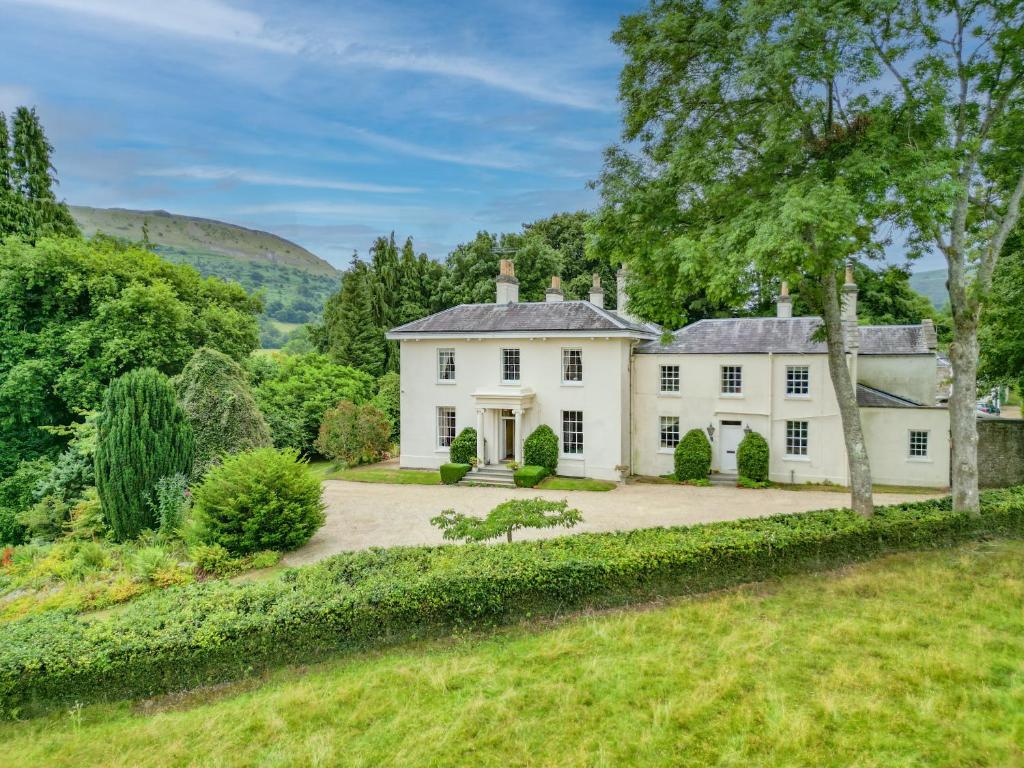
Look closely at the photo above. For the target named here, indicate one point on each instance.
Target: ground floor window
(796, 438)
(918, 444)
(445, 426)
(572, 432)
(669, 429)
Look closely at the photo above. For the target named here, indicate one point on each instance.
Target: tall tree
(753, 166)
(6, 180)
(384, 281)
(354, 336)
(1002, 328)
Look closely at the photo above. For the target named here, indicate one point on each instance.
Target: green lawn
(326, 470)
(911, 660)
(575, 484)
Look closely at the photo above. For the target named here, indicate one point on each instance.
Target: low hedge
(452, 473)
(214, 631)
(529, 476)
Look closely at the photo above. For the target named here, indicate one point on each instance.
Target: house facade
(620, 393)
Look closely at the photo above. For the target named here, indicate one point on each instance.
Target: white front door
(728, 442)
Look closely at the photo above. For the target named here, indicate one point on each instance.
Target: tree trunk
(861, 500)
(963, 417)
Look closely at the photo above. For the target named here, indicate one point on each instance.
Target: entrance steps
(490, 474)
(723, 478)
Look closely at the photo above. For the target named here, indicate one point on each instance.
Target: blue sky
(325, 122)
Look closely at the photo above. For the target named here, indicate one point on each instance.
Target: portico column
(480, 436)
(518, 413)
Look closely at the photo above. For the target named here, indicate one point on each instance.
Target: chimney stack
(507, 284)
(930, 337)
(554, 293)
(622, 298)
(597, 292)
(784, 305)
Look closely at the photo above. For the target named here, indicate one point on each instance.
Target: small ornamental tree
(693, 457)
(353, 434)
(214, 393)
(463, 447)
(752, 458)
(505, 518)
(258, 500)
(143, 435)
(541, 449)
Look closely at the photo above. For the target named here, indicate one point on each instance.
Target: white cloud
(219, 173)
(493, 157)
(361, 211)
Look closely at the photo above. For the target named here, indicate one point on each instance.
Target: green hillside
(932, 284)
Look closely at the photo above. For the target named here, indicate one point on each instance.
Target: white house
(620, 393)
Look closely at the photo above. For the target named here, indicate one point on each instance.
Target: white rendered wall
(911, 376)
(887, 432)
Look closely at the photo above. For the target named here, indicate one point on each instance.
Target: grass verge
(326, 470)
(557, 483)
(911, 660)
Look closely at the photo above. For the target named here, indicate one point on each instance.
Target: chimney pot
(784, 304)
(596, 291)
(554, 293)
(507, 285)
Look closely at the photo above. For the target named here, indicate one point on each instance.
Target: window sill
(442, 450)
(446, 382)
(670, 394)
(572, 383)
(787, 457)
(919, 459)
(667, 451)
(797, 397)
(510, 383)
(570, 457)
(731, 396)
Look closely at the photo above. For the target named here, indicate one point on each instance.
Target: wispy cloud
(240, 175)
(362, 211)
(500, 158)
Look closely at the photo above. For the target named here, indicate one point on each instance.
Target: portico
(500, 416)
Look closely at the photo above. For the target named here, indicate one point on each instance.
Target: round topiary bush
(752, 458)
(262, 499)
(693, 456)
(463, 447)
(541, 449)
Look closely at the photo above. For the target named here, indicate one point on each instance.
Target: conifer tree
(385, 280)
(5, 156)
(358, 339)
(143, 436)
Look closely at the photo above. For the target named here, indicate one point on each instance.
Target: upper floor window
(796, 438)
(446, 365)
(669, 431)
(572, 365)
(670, 378)
(919, 444)
(572, 432)
(732, 380)
(798, 380)
(445, 426)
(510, 365)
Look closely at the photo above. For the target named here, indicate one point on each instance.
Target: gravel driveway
(363, 515)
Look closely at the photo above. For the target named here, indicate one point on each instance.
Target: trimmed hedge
(452, 473)
(208, 632)
(463, 447)
(529, 476)
(752, 458)
(541, 449)
(693, 456)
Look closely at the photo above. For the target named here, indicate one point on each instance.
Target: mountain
(932, 284)
(191, 234)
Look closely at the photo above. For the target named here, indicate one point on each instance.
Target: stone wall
(1000, 452)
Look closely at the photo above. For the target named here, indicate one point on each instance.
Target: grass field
(912, 660)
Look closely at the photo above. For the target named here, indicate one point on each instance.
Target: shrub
(143, 435)
(22, 488)
(214, 631)
(86, 518)
(172, 503)
(507, 517)
(353, 434)
(752, 458)
(74, 470)
(214, 393)
(389, 401)
(541, 449)
(529, 476)
(45, 520)
(11, 529)
(261, 499)
(147, 563)
(463, 447)
(452, 473)
(693, 456)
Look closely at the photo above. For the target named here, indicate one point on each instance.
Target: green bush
(541, 449)
(693, 456)
(752, 458)
(452, 473)
(463, 448)
(143, 435)
(12, 532)
(214, 393)
(354, 434)
(204, 633)
(507, 517)
(389, 401)
(529, 476)
(262, 499)
(172, 502)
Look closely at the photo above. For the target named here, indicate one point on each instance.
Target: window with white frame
(445, 426)
(510, 365)
(732, 379)
(670, 378)
(919, 444)
(798, 380)
(446, 365)
(796, 438)
(572, 432)
(572, 366)
(669, 430)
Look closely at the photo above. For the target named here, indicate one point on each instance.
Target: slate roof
(792, 335)
(524, 317)
(869, 397)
